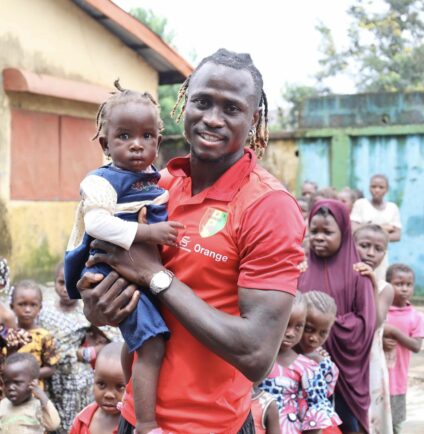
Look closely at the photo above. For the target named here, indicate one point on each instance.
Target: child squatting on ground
(403, 333)
(102, 416)
(128, 128)
(371, 242)
(26, 407)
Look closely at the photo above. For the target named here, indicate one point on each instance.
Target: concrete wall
(57, 38)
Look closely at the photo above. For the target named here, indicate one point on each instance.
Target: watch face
(163, 280)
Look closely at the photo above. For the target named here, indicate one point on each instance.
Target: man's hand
(136, 265)
(109, 300)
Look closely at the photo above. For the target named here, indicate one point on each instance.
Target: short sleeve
(417, 330)
(269, 240)
(357, 214)
(49, 356)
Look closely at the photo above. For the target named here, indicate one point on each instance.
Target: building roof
(172, 68)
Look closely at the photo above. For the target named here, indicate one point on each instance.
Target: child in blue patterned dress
(118, 200)
(320, 316)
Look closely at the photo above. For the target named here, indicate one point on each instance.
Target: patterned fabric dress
(298, 390)
(43, 348)
(71, 386)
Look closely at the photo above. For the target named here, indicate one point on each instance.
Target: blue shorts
(144, 322)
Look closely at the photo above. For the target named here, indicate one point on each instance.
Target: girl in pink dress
(294, 379)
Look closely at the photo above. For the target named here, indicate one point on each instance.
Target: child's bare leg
(145, 380)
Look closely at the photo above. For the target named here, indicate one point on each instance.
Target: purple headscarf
(349, 343)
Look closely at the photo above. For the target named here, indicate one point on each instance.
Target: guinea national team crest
(212, 222)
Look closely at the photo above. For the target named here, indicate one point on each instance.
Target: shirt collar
(87, 414)
(228, 184)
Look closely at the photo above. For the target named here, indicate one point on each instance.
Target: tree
(293, 95)
(167, 93)
(385, 50)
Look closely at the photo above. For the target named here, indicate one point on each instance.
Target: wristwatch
(160, 281)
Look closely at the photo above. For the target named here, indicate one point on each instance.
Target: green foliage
(167, 93)
(385, 50)
(155, 23)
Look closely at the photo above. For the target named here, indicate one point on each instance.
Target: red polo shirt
(82, 421)
(245, 231)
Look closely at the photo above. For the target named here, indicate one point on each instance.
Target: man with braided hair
(226, 289)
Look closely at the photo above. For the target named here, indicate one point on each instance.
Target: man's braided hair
(122, 96)
(239, 61)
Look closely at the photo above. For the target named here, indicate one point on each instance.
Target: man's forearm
(249, 341)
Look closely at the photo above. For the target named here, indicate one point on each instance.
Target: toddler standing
(129, 128)
(26, 301)
(102, 416)
(403, 333)
(20, 411)
(320, 317)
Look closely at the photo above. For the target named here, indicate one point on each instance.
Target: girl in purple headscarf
(330, 269)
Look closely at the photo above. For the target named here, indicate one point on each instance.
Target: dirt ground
(414, 423)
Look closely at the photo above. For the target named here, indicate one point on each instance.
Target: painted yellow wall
(281, 160)
(57, 38)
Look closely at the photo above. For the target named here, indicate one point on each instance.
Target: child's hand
(363, 269)
(389, 344)
(366, 270)
(389, 331)
(164, 233)
(303, 266)
(40, 395)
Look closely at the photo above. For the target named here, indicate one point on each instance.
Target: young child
(101, 417)
(403, 333)
(26, 301)
(128, 127)
(294, 378)
(70, 388)
(371, 242)
(330, 269)
(320, 317)
(264, 412)
(26, 407)
(380, 212)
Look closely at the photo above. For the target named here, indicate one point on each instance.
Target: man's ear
(255, 119)
(103, 144)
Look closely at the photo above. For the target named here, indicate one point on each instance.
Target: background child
(264, 412)
(26, 301)
(129, 128)
(320, 317)
(101, 417)
(330, 269)
(403, 333)
(380, 212)
(294, 378)
(371, 241)
(20, 411)
(70, 387)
